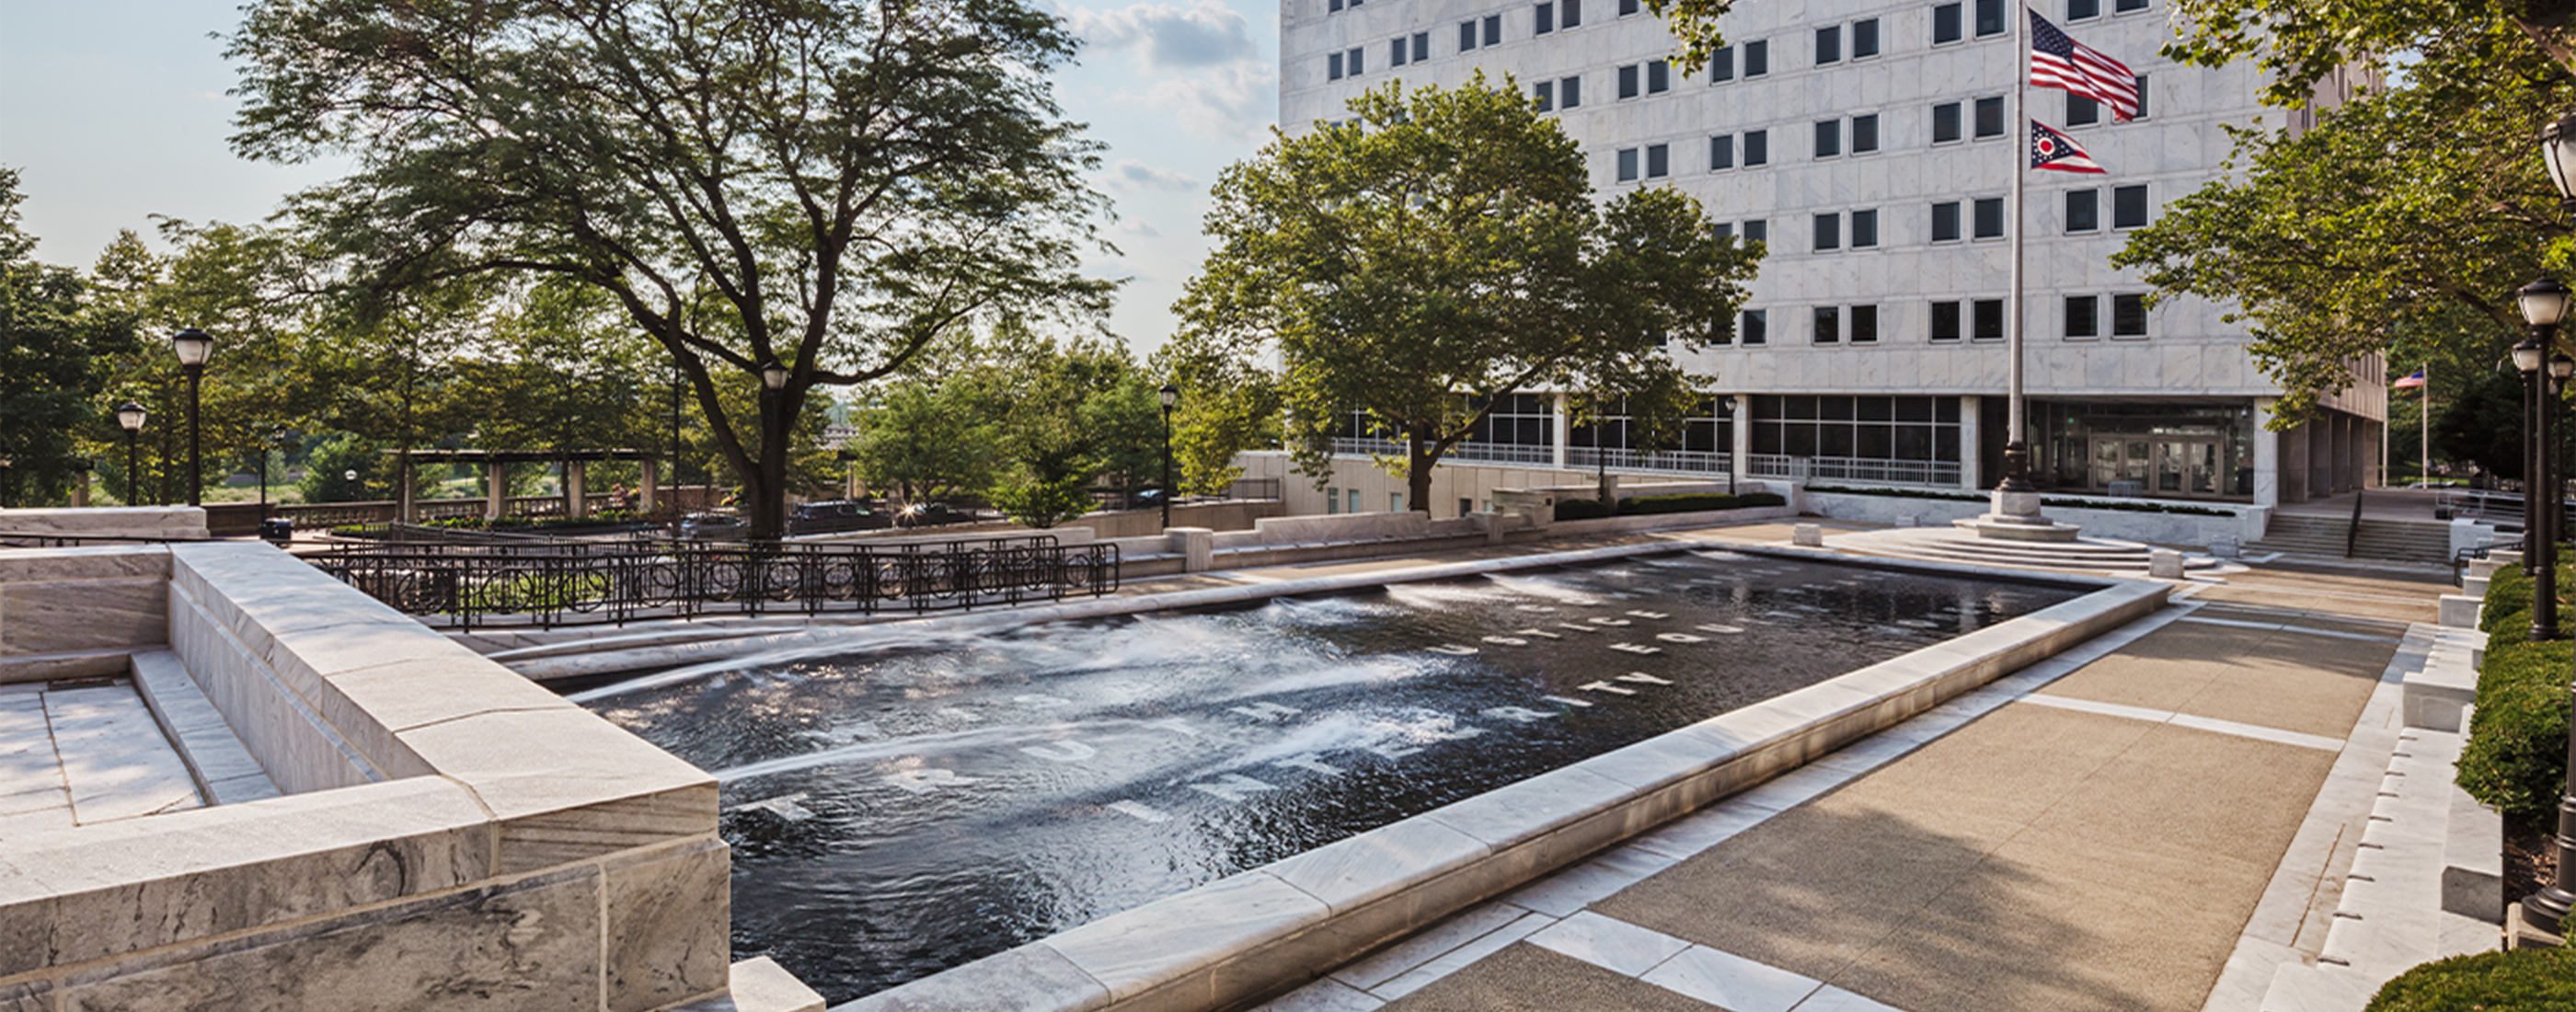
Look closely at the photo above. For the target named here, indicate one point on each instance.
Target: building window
(1543, 95)
(1721, 65)
(1829, 138)
(1829, 325)
(1757, 230)
(1864, 324)
(1627, 165)
(1990, 117)
(1989, 319)
(1945, 24)
(1354, 500)
(1332, 6)
(2082, 111)
(2128, 316)
(1493, 29)
(1829, 232)
(1755, 330)
(1945, 221)
(1945, 122)
(1990, 17)
(2142, 97)
(1627, 7)
(1569, 13)
(1545, 21)
(2083, 210)
(2078, 10)
(1659, 161)
(1829, 45)
(1466, 36)
(1351, 63)
(1864, 229)
(1569, 92)
(1395, 53)
(2125, 6)
(1757, 148)
(1517, 420)
(1721, 153)
(2083, 316)
(1864, 38)
(1332, 499)
(1945, 321)
(1421, 46)
(1757, 58)
(2129, 206)
(1628, 81)
(1864, 134)
(1333, 67)
(1990, 217)
(1922, 429)
(1659, 77)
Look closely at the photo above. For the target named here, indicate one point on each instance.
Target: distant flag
(2060, 62)
(2052, 150)
(2410, 382)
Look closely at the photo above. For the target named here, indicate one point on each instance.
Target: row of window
(1980, 319)
(1983, 215)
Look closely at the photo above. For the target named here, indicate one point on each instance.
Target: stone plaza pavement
(2154, 821)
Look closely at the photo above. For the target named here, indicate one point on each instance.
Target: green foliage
(833, 187)
(2515, 759)
(1437, 250)
(1044, 502)
(2084, 504)
(1643, 505)
(2524, 980)
(1226, 407)
(1581, 509)
(926, 439)
(55, 340)
(2483, 424)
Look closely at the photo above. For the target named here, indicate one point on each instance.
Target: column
(1743, 430)
(576, 503)
(651, 492)
(80, 488)
(1564, 429)
(496, 490)
(1969, 406)
(2267, 455)
(403, 509)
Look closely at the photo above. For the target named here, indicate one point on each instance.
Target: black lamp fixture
(773, 375)
(2544, 305)
(130, 417)
(1170, 395)
(193, 347)
(2558, 151)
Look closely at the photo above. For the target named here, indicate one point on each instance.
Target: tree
(1436, 251)
(53, 340)
(925, 439)
(829, 186)
(2484, 424)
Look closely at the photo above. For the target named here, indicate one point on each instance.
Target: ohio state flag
(2052, 150)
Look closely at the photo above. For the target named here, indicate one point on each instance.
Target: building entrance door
(2163, 466)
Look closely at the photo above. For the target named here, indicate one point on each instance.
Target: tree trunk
(769, 475)
(1417, 469)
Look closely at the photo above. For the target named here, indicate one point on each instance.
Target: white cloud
(1204, 34)
(1130, 174)
(1138, 228)
(1236, 101)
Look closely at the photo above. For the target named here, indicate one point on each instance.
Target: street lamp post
(1170, 395)
(2530, 358)
(2554, 405)
(193, 346)
(130, 417)
(2548, 908)
(2544, 304)
(769, 519)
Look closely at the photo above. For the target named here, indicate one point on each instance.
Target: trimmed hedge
(2526, 980)
(1643, 505)
(2515, 760)
(2086, 504)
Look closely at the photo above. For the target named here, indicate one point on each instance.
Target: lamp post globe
(773, 376)
(193, 347)
(130, 417)
(1169, 395)
(2558, 151)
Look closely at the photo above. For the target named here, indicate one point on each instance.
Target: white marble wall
(77, 612)
(2189, 349)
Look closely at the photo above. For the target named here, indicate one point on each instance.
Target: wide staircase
(2326, 537)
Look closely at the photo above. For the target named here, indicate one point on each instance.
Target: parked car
(933, 514)
(836, 515)
(714, 527)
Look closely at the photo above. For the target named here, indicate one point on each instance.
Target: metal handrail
(549, 584)
(2352, 534)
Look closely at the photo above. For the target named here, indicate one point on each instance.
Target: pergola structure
(496, 466)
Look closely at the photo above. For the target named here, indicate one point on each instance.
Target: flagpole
(2424, 426)
(2016, 447)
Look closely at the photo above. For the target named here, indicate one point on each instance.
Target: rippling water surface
(914, 801)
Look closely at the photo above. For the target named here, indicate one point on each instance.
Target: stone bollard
(2164, 564)
(1807, 536)
(1197, 546)
(1489, 524)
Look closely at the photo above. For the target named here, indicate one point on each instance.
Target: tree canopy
(55, 338)
(827, 185)
(1436, 250)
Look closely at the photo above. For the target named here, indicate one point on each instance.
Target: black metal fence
(553, 584)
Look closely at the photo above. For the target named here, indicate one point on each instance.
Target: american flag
(2052, 150)
(2060, 62)
(2411, 382)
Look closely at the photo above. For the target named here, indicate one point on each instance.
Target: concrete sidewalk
(2103, 831)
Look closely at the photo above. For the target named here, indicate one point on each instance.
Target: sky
(114, 111)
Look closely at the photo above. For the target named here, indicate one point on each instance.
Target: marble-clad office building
(1871, 144)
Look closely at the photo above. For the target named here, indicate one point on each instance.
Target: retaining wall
(2243, 522)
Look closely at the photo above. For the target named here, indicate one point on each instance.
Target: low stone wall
(1229, 515)
(2241, 521)
(171, 523)
(453, 836)
(1274, 927)
(80, 612)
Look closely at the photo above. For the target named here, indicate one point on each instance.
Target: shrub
(2515, 760)
(1580, 509)
(2529, 979)
(1650, 504)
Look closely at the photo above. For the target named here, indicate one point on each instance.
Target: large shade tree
(1437, 250)
(830, 186)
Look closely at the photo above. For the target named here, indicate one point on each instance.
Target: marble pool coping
(1269, 929)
